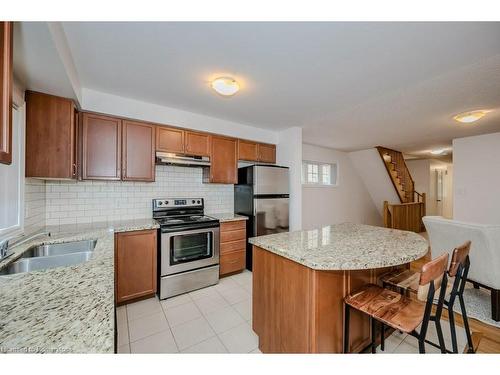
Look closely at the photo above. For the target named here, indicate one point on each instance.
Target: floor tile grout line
(145, 337)
(210, 338)
(170, 327)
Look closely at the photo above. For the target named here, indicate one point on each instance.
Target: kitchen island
(301, 278)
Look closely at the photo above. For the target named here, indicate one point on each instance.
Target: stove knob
(193, 201)
(160, 203)
(199, 202)
(166, 202)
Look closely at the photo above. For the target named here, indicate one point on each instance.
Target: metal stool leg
(373, 335)
(453, 331)
(382, 336)
(466, 324)
(440, 336)
(347, 313)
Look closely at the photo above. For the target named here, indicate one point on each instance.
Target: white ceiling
(348, 85)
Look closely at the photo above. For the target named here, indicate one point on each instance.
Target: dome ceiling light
(225, 86)
(471, 116)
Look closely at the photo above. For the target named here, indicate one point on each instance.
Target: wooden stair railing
(405, 216)
(400, 175)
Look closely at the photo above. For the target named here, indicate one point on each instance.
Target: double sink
(51, 256)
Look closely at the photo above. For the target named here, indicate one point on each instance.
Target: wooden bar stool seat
(388, 307)
(402, 279)
(400, 312)
(405, 280)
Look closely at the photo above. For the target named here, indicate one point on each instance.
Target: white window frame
(18, 147)
(320, 164)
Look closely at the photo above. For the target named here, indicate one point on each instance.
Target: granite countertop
(64, 309)
(228, 216)
(346, 246)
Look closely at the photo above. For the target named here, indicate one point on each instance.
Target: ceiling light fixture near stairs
(471, 116)
(439, 152)
(225, 86)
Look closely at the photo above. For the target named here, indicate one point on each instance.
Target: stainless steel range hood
(185, 160)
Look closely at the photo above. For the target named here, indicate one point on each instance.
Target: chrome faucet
(4, 244)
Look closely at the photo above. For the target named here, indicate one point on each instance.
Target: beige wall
(349, 201)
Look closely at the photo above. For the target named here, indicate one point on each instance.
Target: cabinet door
(101, 150)
(138, 151)
(267, 153)
(135, 265)
(6, 92)
(169, 140)
(224, 163)
(197, 144)
(50, 136)
(247, 150)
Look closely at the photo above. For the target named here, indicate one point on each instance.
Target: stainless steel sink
(51, 256)
(60, 249)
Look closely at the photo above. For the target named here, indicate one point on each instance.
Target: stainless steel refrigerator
(262, 194)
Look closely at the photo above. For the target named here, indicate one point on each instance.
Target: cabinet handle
(74, 169)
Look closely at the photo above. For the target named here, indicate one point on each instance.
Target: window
(12, 181)
(319, 174)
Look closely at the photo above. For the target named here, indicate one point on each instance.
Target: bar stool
(404, 282)
(400, 312)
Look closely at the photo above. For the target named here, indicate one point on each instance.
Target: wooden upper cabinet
(50, 136)
(169, 140)
(101, 147)
(267, 153)
(247, 150)
(135, 265)
(224, 160)
(197, 143)
(138, 151)
(6, 31)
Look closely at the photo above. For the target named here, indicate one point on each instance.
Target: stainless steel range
(189, 246)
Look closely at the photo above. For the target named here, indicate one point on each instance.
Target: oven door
(189, 249)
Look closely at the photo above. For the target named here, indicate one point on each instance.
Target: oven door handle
(194, 231)
(187, 229)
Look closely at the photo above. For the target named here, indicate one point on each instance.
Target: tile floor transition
(217, 319)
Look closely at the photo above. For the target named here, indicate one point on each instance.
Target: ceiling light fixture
(470, 116)
(438, 152)
(225, 86)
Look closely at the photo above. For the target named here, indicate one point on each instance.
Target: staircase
(407, 215)
(399, 174)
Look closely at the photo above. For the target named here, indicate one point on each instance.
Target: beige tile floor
(217, 319)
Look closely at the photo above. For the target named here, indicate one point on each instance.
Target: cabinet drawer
(233, 235)
(232, 262)
(232, 225)
(227, 247)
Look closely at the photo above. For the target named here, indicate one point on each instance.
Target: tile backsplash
(70, 202)
(34, 204)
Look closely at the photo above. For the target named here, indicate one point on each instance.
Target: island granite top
(65, 309)
(346, 246)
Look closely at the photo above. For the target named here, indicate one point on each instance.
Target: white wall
(126, 107)
(371, 169)
(423, 172)
(349, 201)
(476, 179)
(70, 202)
(289, 154)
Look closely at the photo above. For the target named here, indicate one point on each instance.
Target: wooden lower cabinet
(232, 247)
(296, 309)
(135, 265)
